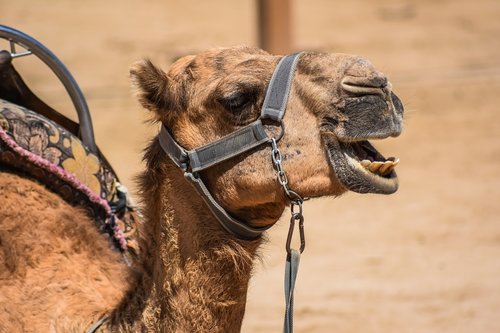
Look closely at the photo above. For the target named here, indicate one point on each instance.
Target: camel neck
(196, 275)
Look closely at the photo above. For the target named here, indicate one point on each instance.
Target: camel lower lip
(346, 163)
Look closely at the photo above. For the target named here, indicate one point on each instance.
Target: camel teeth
(386, 168)
(394, 160)
(365, 163)
(375, 166)
(381, 168)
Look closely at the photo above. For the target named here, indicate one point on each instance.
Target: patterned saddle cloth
(35, 146)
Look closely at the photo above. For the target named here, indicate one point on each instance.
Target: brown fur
(58, 273)
(56, 270)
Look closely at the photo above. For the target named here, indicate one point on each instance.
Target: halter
(237, 143)
(234, 144)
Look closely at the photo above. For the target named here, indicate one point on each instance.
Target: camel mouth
(361, 168)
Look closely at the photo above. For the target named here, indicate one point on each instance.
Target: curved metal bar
(58, 68)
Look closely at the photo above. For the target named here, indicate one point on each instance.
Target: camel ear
(164, 94)
(154, 87)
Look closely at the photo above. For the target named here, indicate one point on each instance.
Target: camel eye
(237, 102)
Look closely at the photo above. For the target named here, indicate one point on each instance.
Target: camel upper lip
(360, 167)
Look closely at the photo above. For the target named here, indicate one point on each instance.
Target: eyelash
(238, 102)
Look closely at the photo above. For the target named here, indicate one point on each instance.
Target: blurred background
(426, 259)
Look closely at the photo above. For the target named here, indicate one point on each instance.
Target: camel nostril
(369, 81)
(362, 85)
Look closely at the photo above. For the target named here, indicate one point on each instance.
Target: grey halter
(231, 145)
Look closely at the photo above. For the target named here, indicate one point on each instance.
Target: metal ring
(282, 126)
(280, 135)
(292, 207)
(294, 197)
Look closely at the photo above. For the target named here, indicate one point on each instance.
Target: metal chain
(295, 199)
(281, 175)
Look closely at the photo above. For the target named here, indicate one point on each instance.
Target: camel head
(337, 103)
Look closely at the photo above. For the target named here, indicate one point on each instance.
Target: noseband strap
(234, 144)
(279, 89)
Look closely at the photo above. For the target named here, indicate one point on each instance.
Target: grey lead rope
(291, 269)
(292, 263)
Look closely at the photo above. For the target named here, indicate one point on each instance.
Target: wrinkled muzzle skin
(358, 106)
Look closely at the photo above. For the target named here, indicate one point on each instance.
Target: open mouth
(361, 168)
(365, 154)
(370, 111)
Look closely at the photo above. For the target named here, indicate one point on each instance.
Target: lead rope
(293, 255)
(95, 326)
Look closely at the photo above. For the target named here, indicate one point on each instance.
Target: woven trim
(70, 179)
(27, 160)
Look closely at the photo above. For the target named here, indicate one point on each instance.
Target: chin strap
(229, 223)
(236, 143)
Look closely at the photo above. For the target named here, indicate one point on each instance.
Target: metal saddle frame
(112, 202)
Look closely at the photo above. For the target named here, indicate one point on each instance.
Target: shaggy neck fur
(195, 275)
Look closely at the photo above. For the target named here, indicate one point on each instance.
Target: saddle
(40, 143)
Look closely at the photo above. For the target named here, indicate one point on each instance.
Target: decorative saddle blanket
(41, 149)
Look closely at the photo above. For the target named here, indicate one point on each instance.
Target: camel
(58, 275)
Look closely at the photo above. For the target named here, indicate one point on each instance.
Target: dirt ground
(426, 259)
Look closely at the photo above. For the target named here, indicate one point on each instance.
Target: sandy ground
(426, 259)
